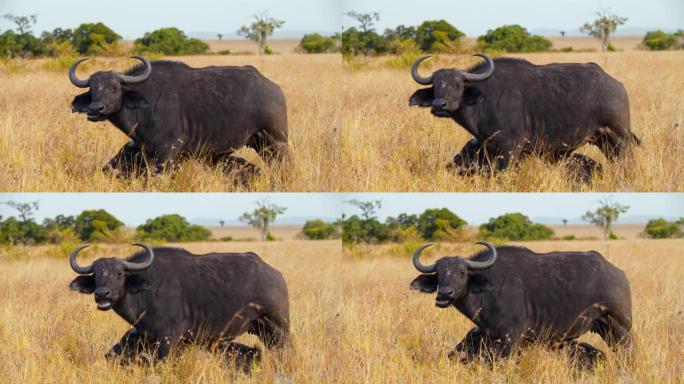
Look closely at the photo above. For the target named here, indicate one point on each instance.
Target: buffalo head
(110, 279)
(450, 276)
(109, 91)
(449, 90)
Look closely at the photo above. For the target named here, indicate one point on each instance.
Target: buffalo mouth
(440, 112)
(443, 302)
(96, 117)
(104, 305)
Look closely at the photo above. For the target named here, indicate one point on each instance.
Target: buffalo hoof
(585, 356)
(242, 356)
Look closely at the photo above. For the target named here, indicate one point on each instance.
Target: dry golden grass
(350, 130)
(248, 46)
(51, 335)
(391, 334)
(282, 232)
(44, 147)
(388, 146)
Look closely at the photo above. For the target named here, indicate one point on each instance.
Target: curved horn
(480, 76)
(126, 79)
(414, 72)
(418, 265)
(72, 74)
(483, 264)
(137, 267)
(74, 264)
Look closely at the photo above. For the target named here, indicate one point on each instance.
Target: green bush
(512, 38)
(171, 228)
(96, 225)
(318, 230)
(514, 226)
(659, 41)
(439, 224)
(224, 52)
(94, 39)
(355, 42)
(662, 229)
(356, 229)
(226, 239)
(316, 43)
(437, 36)
(270, 237)
(169, 41)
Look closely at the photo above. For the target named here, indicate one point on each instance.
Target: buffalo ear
(83, 284)
(80, 103)
(472, 95)
(425, 283)
(136, 283)
(422, 98)
(134, 100)
(479, 283)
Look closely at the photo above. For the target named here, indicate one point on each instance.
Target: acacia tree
(368, 208)
(262, 216)
(605, 24)
(260, 30)
(366, 20)
(605, 215)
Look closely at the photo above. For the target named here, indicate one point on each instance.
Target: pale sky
(476, 208)
(132, 19)
(135, 208)
(476, 17)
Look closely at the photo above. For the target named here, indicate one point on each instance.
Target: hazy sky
(136, 208)
(132, 19)
(477, 208)
(476, 17)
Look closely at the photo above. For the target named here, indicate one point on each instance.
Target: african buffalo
(172, 297)
(170, 110)
(516, 296)
(514, 108)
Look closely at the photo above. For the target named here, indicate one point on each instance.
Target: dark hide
(528, 297)
(550, 110)
(182, 111)
(182, 298)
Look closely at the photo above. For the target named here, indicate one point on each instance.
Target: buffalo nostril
(446, 291)
(439, 103)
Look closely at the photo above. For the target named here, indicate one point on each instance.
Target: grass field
(51, 335)
(391, 334)
(350, 130)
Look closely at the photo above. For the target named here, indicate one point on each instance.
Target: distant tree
(23, 230)
(437, 35)
(94, 39)
(220, 36)
(439, 224)
(222, 222)
(515, 227)
(562, 33)
(605, 24)
(22, 42)
(23, 23)
(565, 222)
(605, 215)
(170, 41)
(260, 30)
(96, 225)
(26, 210)
(262, 217)
(355, 42)
(368, 208)
(316, 43)
(172, 228)
(512, 38)
(318, 230)
(366, 20)
(659, 41)
(663, 229)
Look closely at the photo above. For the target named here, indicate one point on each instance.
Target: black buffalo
(172, 297)
(170, 110)
(516, 296)
(514, 108)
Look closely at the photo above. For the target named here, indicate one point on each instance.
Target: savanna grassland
(388, 146)
(44, 147)
(391, 334)
(51, 335)
(350, 130)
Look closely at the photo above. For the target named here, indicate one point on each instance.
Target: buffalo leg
(612, 332)
(270, 147)
(126, 161)
(271, 330)
(611, 145)
(243, 356)
(469, 348)
(584, 355)
(470, 160)
(241, 169)
(582, 168)
(131, 344)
